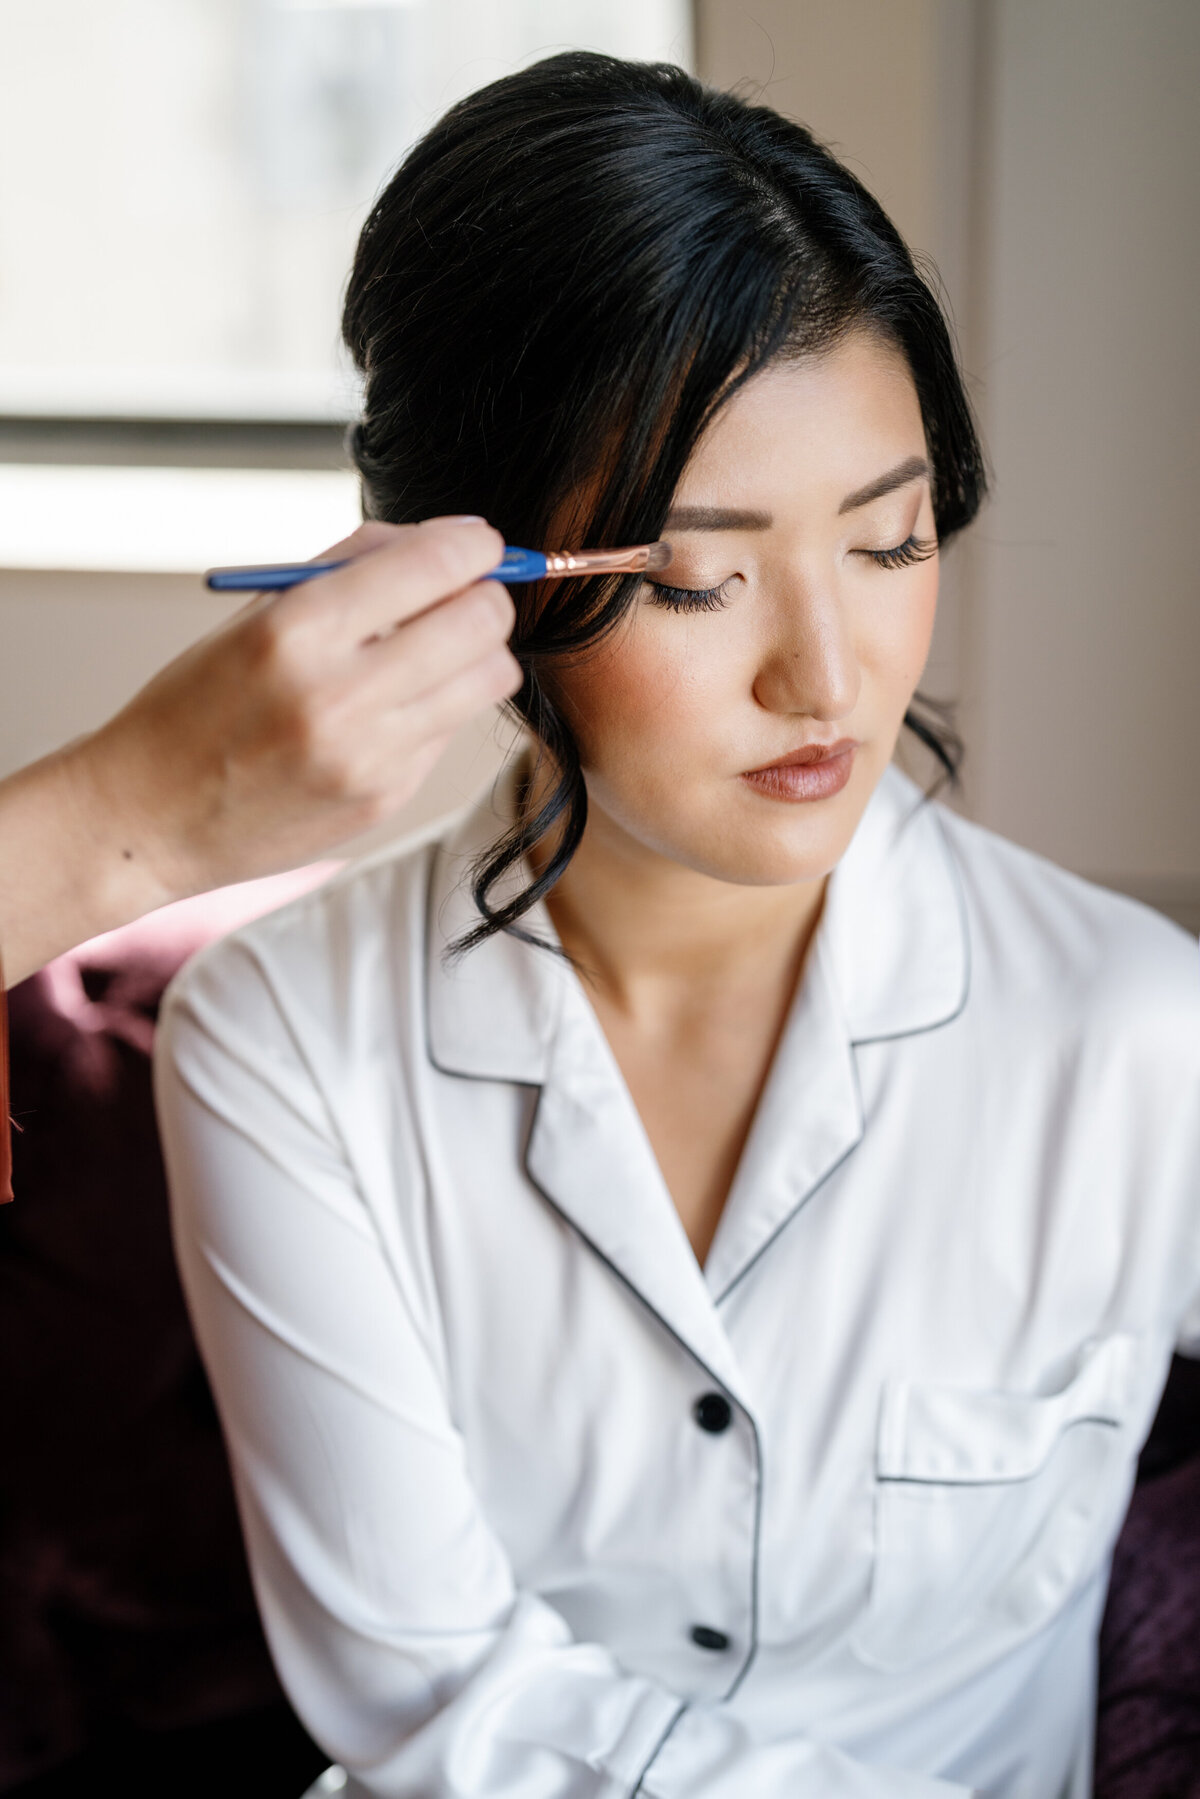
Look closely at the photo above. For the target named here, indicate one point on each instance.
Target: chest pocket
(993, 1508)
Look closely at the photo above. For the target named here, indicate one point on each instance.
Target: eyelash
(688, 599)
(913, 549)
(711, 599)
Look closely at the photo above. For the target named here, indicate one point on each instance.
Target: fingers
(429, 649)
(372, 534)
(366, 720)
(401, 574)
(372, 750)
(376, 534)
(438, 713)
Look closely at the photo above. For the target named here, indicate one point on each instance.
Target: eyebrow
(716, 518)
(912, 469)
(727, 518)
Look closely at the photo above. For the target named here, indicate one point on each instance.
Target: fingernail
(456, 518)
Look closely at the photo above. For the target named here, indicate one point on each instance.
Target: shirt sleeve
(388, 1600)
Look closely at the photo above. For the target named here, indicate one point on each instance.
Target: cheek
(898, 638)
(654, 690)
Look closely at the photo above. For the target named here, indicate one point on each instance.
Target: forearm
(68, 868)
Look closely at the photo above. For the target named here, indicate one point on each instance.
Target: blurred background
(181, 183)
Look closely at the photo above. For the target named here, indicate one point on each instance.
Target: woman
(686, 1282)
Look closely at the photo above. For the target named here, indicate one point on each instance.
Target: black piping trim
(888, 1037)
(539, 1086)
(800, 1204)
(960, 895)
(713, 1377)
(1000, 1480)
(856, 1042)
(505, 1077)
(755, 1558)
(752, 1649)
(653, 1756)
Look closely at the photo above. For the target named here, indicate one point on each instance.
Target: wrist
(104, 782)
(73, 862)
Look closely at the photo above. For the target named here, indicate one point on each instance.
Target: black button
(705, 1637)
(712, 1411)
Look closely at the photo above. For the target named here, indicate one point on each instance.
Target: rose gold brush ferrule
(631, 561)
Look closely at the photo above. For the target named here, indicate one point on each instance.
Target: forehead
(816, 424)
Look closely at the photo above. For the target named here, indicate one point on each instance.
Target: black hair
(563, 281)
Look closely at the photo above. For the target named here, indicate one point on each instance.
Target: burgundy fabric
(124, 1595)
(5, 1137)
(1148, 1726)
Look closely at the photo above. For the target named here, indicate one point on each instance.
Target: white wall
(1081, 672)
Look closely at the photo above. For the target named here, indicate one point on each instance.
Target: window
(183, 182)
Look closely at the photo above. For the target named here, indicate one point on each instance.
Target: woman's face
(797, 612)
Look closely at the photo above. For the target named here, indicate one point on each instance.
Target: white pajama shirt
(536, 1507)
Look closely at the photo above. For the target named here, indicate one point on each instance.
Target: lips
(815, 771)
(806, 754)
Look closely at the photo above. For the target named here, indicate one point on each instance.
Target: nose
(809, 664)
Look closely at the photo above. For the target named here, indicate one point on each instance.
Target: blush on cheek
(926, 613)
(632, 693)
(905, 650)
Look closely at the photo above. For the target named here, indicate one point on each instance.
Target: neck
(652, 936)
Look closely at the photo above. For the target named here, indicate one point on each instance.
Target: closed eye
(711, 599)
(913, 549)
(688, 599)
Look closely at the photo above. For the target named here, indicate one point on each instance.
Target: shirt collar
(894, 926)
(893, 935)
(493, 1011)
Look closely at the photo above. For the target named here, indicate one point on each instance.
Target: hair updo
(561, 284)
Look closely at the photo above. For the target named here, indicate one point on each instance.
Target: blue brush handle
(516, 565)
(519, 565)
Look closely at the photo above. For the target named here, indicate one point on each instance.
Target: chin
(776, 842)
(769, 854)
(737, 836)
(778, 870)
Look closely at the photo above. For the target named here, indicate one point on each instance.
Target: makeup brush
(516, 565)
